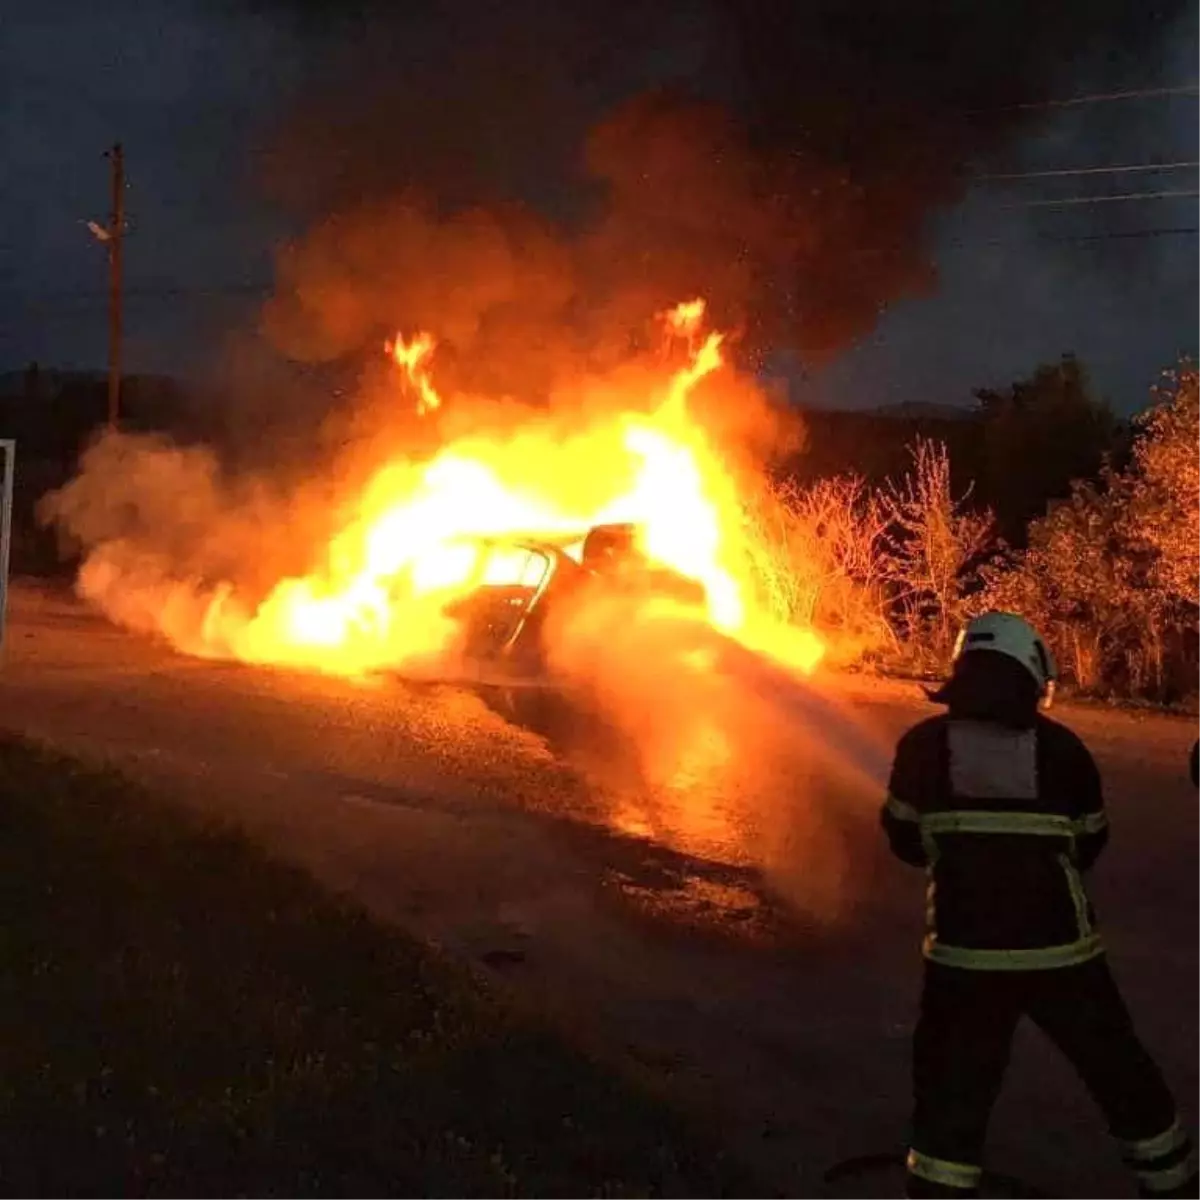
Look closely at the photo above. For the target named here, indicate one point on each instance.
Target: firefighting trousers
(961, 1049)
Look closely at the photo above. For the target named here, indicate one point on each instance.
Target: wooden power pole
(116, 232)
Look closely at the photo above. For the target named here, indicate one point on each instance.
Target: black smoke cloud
(526, 181)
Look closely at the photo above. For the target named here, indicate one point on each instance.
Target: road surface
(752, 945)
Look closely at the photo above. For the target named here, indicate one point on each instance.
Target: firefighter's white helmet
(1007, 633)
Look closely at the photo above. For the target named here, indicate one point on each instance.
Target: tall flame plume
(378, 593)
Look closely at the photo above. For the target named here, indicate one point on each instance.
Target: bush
(885, 575)
(1111, 573)
(817, 558)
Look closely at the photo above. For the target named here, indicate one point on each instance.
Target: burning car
(520, 585)
(523, 593)
(425, 570)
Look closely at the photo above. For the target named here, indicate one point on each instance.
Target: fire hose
(993, 1182)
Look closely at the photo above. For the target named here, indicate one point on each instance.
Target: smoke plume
(163, 528)
(582, 170)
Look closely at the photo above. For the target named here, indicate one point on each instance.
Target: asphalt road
(741, 932)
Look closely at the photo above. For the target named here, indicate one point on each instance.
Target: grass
(183, 1016)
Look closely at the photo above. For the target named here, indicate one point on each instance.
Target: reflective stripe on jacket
(1004, 822)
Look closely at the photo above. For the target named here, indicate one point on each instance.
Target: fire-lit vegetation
(185, 1017)
(1110, 572)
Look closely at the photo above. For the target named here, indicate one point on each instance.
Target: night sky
(243, 124)
(1020, 286)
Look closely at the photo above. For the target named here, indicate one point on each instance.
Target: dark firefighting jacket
(1004, 821)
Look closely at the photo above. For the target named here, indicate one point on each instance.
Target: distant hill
(17, 383)
(874, 442)
(919, 410)
(52, 413)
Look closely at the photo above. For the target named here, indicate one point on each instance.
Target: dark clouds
(474, 102)
(877, 102)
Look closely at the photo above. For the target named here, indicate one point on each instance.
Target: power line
(218, 289)
(50, 305)
(1119, 197)
(1182, 231)
(1186, 89)
(147, 292)
(1071, 171)
(86, 298)
(1069, 239)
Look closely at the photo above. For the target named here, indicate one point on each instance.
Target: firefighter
(1003, 808)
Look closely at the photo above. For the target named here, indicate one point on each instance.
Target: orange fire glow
(379, 595)
(413, 357)
(685, 318)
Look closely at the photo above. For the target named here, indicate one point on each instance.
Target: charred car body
(521, 584)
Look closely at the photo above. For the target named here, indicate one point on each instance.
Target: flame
(685, 318)
(414, 358)
(410, 547)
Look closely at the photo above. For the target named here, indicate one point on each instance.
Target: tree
(938, 547)
(1112, 573)
(1073, 583)
(1164, 511)
(1039, 436)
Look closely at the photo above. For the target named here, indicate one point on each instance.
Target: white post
(9, 447)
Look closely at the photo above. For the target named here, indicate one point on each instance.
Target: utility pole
(116, 231)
